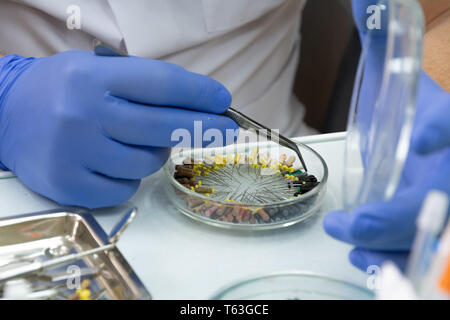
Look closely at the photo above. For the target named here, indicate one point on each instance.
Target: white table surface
(177, 258)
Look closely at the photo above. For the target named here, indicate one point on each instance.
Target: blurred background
(330, 50)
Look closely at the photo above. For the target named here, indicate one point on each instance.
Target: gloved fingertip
(222, 99)
(426, 140)
(364, 227)
(336, 224)
(231, 131)
(358, 258)
(231, 125)
(162, 154)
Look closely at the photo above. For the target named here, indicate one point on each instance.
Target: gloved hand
(84, 130)
(432, 131)
(385, 230)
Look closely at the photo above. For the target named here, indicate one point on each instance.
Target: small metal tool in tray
(41, 237)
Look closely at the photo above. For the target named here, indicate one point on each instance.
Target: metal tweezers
(247, 123)
(241, 119)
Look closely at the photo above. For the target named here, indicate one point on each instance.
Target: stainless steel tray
(33, 237)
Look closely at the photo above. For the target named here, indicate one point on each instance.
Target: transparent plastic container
(281, 213)
(383, 105)
(294, 286)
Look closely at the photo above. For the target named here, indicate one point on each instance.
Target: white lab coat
(251, 46)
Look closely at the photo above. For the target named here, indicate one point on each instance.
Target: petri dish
(253, 199)
(294, 286)
(383, 104)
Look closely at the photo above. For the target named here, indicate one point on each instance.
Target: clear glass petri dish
(248, 215)
(383, 104)
(294, 286)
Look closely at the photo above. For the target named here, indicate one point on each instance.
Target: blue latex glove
(385, 230)
(84, 130)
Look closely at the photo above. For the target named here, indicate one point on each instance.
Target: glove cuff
(11, 67)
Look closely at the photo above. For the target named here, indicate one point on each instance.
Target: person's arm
(437, 41)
